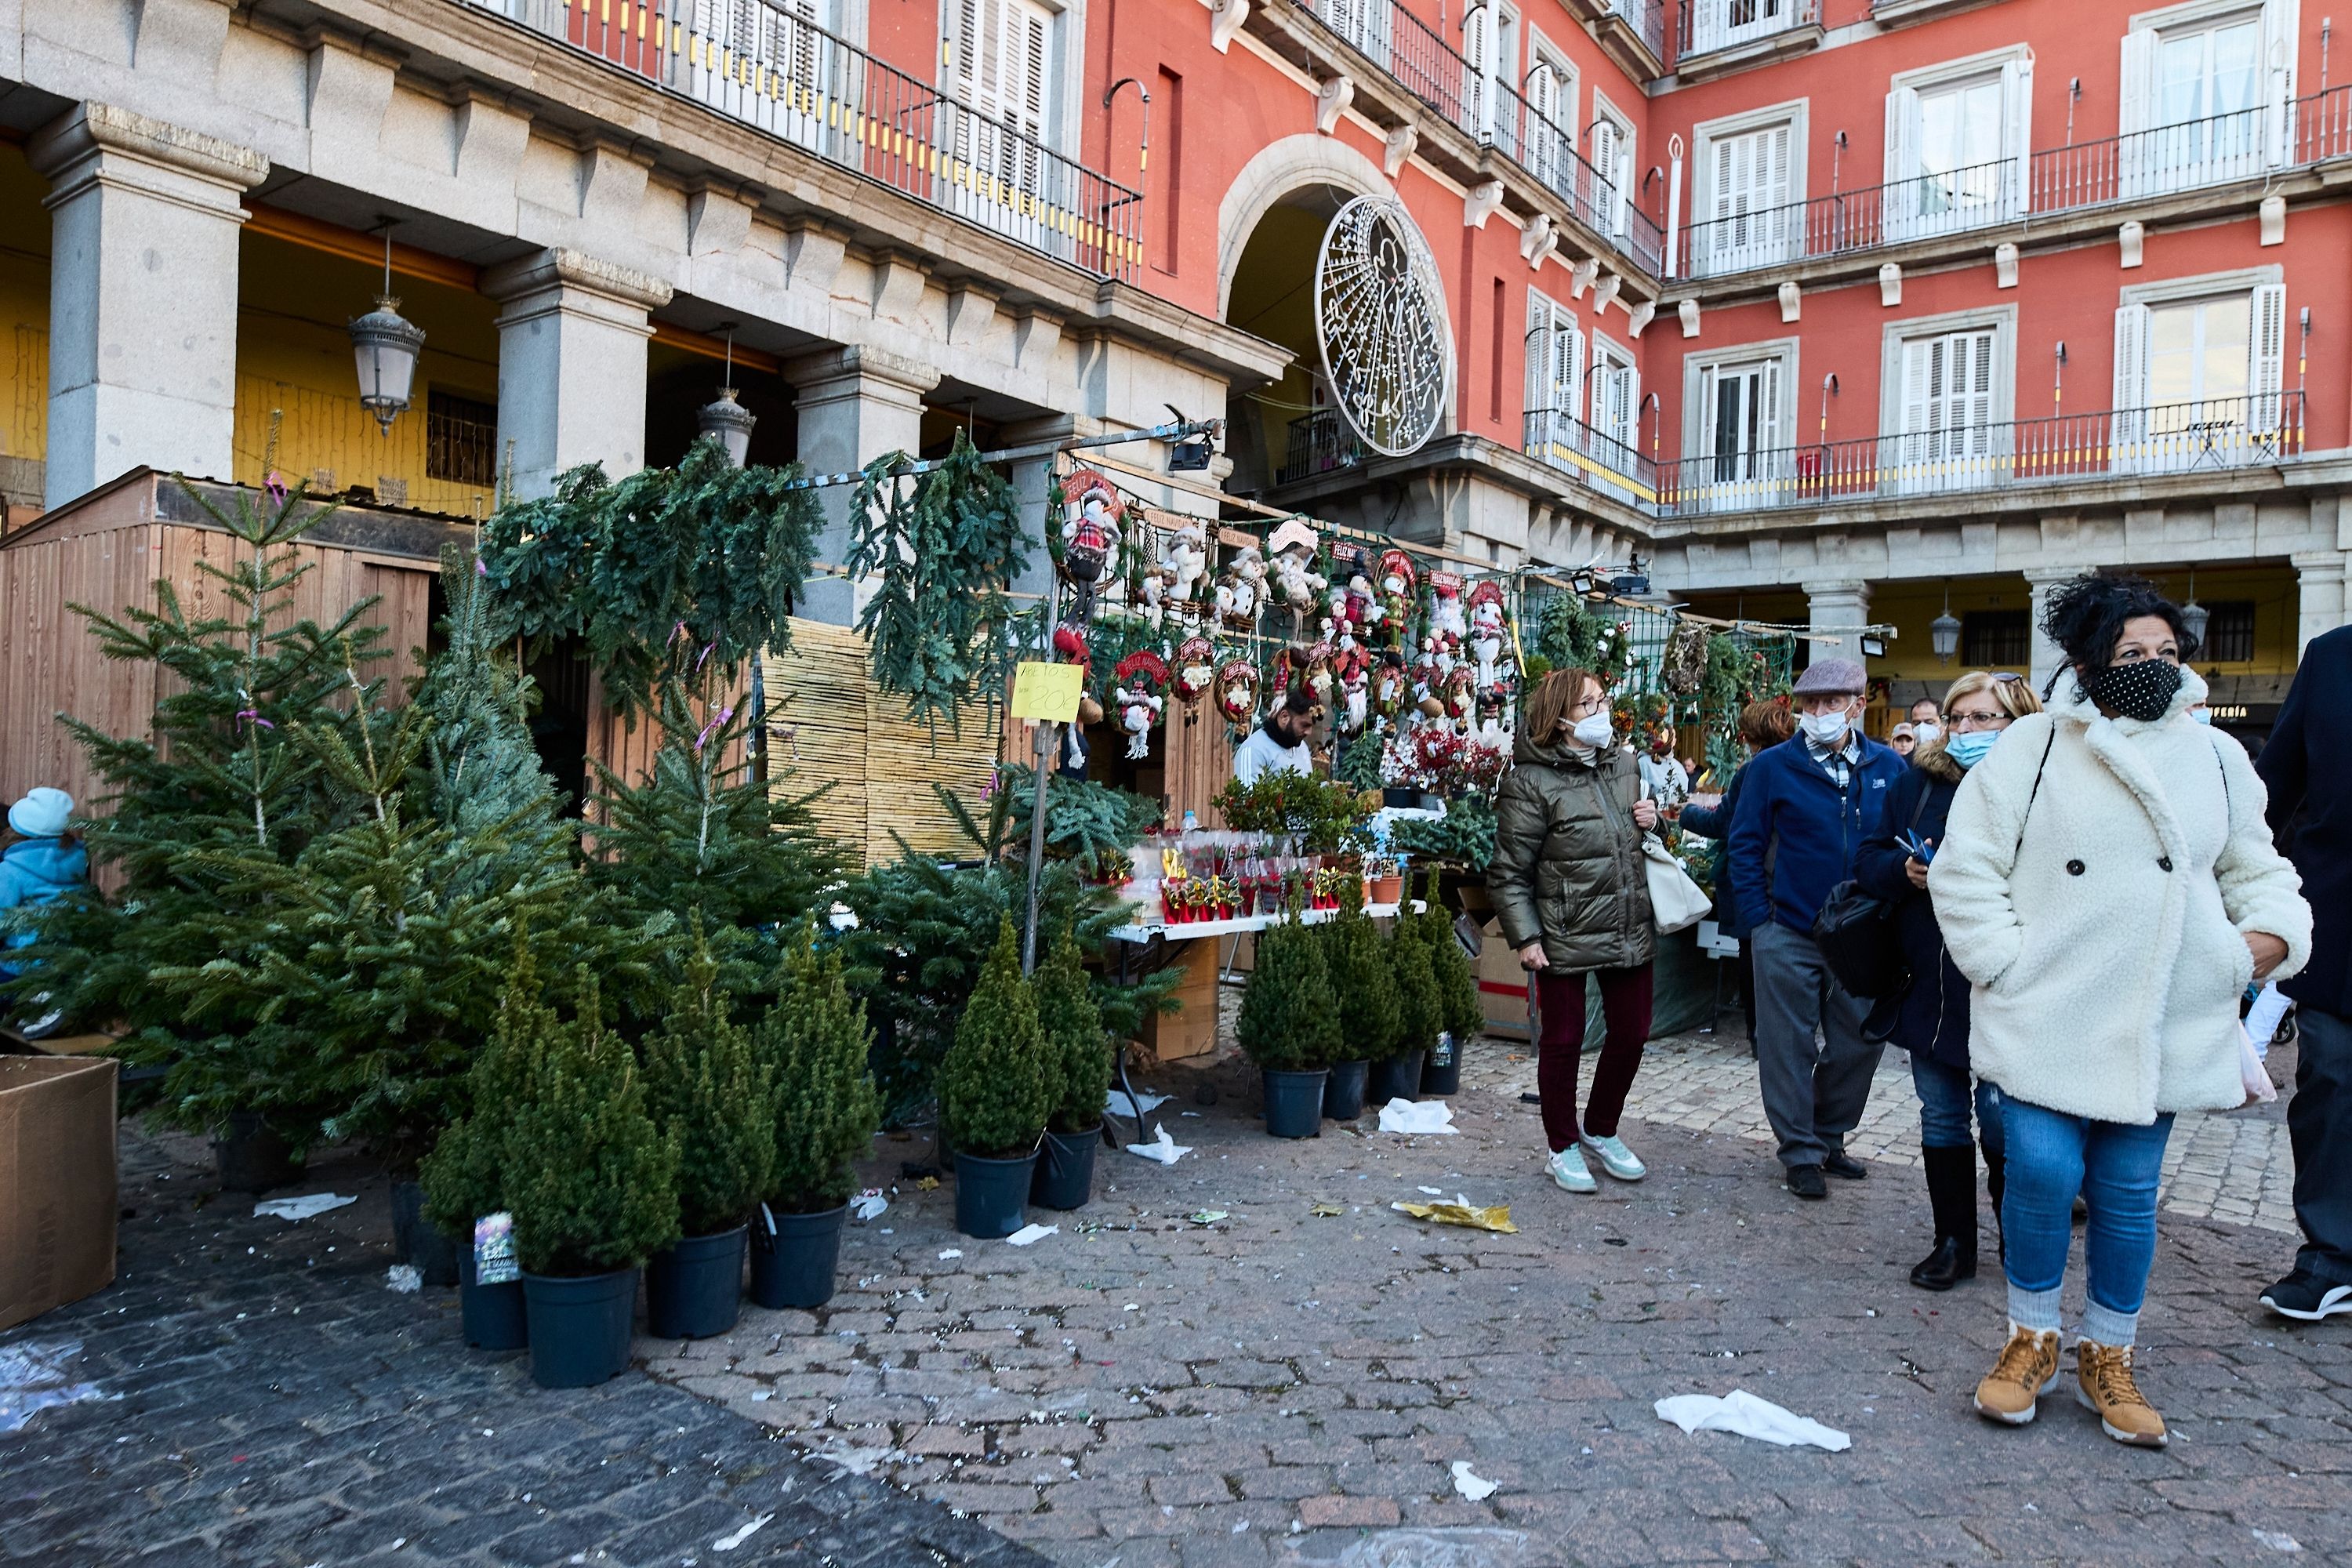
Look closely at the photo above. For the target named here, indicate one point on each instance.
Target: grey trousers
(1814, 1091)
(2319, 1125)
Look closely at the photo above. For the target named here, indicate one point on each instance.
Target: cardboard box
(57, 1182)
(1191, 1030)
(1502, 985)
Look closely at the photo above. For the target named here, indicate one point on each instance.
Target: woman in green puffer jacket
(1572, 894)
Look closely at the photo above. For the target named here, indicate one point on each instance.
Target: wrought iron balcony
(2139, 166)
(2215, 435)
(1704, 26)
(1318, 443)
(758, 62)
(1646, 18)
(1496, 114)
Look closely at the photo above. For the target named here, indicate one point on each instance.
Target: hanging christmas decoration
(1445, 612)
(1397, 582)
(1241, 591)
(1195, 670)
(1136, 698)
(1490, 634)
(1351, 669)
(1685, 663)
(1090, 536)
(1392, 687)
(1380, 322)
(1298, 586)
(1237, 688)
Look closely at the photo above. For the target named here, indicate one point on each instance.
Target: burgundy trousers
(1626, 1010)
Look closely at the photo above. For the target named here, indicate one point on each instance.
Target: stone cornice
(561, 266)
(103, 127)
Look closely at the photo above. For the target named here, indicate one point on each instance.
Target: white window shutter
(1630, 425)
(2266, 355)
(2131, 357)
(2016, 134)
(1901, 204)
(1918, 387)
(1980, 373)
(1769, 437)
(1775, 155)
(2279, 17)
(2138, 81)
(1477, 55)
(1539, 361)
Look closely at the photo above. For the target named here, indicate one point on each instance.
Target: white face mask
(1592, 732)
(1926, 729)
(1824, 729)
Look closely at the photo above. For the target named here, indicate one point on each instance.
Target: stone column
(2321, 600)
(572, 364)
(1842, 607)
(1033, 481)
(2047, 655)
(142, 296)
(855, 403)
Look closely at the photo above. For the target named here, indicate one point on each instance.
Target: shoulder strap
(1920, 805)
(2032, 795)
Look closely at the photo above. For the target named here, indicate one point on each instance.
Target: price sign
(1047, 691)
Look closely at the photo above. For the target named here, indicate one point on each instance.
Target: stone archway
(1280, 172)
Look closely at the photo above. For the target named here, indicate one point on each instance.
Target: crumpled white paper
(302, 1207)
(1115, 1101)
(1402, 1115)
(735, 1538)
(402, 1278)
(868, 1204)
(1166, 1150)
(1475, 1488)
(33, 1377)
(1031, 1235)
(1744, 1413)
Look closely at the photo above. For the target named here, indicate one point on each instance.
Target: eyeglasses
(1980, 719)
(2005, 676)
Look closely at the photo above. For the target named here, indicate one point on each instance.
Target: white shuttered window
(1749, 221)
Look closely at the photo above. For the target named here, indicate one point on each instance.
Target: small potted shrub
(1078, 1068)
(1363, 982)
(464, 1178)
(994, 1099)
(708, 1093)
(814, 1040)
(1289, 1026)
(1460, 1016)
(1417, 1011)
(593, 1189)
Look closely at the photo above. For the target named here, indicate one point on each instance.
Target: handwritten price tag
(1047, 691)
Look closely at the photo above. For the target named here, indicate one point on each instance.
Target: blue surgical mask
(1968, 747)
(2202, 715)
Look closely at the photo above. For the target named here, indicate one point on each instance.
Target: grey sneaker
(1567, 1168)
(1616, 1159)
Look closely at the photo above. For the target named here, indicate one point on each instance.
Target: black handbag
(1855, 933)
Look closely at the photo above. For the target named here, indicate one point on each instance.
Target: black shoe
(1806, 1181)
(1844, 1165)
(1950, 1263)
(2306, 1297)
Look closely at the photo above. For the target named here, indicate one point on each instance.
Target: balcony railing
(2137, 166)
(1647, 18)
(1318, 444)
(1707, 26)
(1496, 113)
(766, 66)
(2214, 435)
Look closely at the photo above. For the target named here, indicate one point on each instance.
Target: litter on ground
(1742, 1413)
(1463, 1212)
(403, 1278)
(302, 1207)
(1163, 1149)
(1414, 1120)
(33, 1377)
(1030, 1234)
(1475, 1488)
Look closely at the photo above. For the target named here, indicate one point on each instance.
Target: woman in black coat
(1929, 1016)
(1761, 724)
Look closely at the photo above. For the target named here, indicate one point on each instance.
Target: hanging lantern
(1944, 632)
(385, 345)
(2193, 617)
(725, 419)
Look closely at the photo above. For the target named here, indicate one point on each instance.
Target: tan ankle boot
(2027, 1370)
(2103, 1382)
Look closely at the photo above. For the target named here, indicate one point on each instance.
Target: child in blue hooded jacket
(41, 863)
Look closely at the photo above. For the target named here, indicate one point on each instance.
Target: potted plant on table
(1078, 1069)
(993, 1100)
(594, 1188)
(815, 1041)
(1289, 1026)
(707, 1092)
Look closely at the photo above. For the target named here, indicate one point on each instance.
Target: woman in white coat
(2107, 885)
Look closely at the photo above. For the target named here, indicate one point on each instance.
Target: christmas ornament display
(1135, 697)
(1298, 586)
(1195, 670)
(1241, 593)
(1397, 583)
(1090, 534)
(1236, 688)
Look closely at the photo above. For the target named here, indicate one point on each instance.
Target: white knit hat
(42, 813)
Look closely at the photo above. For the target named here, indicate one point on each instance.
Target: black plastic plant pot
(415, 1239)
(492, 1315)
(251, 1157)
(579, 1326)
(1065, 1170)
(1397, 1077)
(795, 1265)
(1391, 795)
(695, 1289)
(1442, 1073)
(1343, 1091)
(1294, 1102)
(993, 1195)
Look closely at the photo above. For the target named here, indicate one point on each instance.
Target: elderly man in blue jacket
(1805, 807)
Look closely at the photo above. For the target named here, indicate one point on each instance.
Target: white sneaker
(1616, 1159)
(1567, 1168)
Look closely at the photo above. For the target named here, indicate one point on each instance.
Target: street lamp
(386, 346)
(724, 417)
(2194, 615)
(1944, 632)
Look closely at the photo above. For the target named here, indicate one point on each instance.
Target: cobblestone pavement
(266, 1399)
(1199, 1369)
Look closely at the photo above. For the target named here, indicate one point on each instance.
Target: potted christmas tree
(707, 1092)
(1289, 1026)
(1417, 1006)
(1078, 1066)
(593, 1189)
(815, 1041)
(994, 1099)
(1460, 1016)
(1363, 982)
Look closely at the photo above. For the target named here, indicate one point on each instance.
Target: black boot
(1952, 1194)
(1996, 1165)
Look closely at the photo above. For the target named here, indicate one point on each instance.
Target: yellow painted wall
(1910, 607)
(294, 356)
(2277, 606)
(23, 308)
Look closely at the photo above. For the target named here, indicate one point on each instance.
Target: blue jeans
(2116, 1167)
(1944, 1106)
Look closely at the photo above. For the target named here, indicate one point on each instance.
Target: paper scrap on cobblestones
(1475, 1488)
(1031, 1235)
(1326, 1210)
(868, 1204)
(1428, 1116)
(2276, 1541)
(403, 1278)
(1742, 1413)
(1463, 1212)
(951, 1252)
(302, 1207)
(33, 1377)
(1163, 1148)
(735, 1538)
(1207, 1216)
(1115, 1102)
